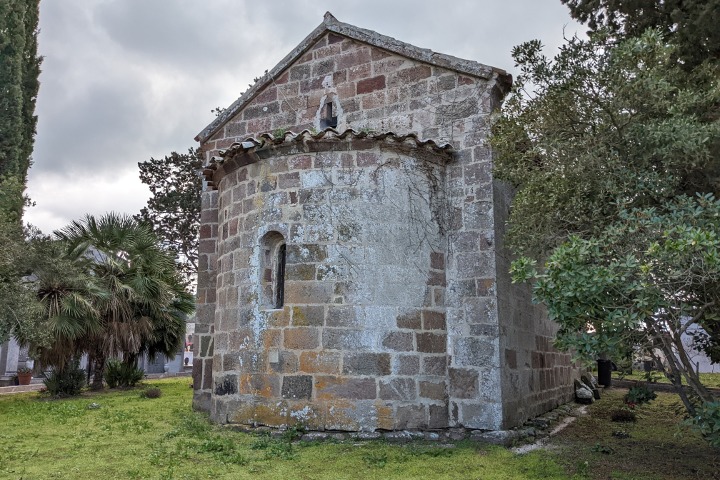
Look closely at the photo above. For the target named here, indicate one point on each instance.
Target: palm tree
(68, 296)
(143, 301)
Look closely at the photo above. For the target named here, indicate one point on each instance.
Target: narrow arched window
(272, 251)
(280, 277)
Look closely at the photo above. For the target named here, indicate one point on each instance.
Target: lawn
(119, 434)
(711, 380)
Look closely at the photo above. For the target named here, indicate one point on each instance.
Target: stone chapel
(352, 270)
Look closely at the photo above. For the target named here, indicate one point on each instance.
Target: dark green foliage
(639, 395)
(173, 210)
(614, 149)
(121, 374)
(152, 392)
(690, 24)
(707, 421)
(68, 381)
(607, 128)
(19, 70)
(140, 301)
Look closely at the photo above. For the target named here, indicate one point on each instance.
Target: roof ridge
(370, 37)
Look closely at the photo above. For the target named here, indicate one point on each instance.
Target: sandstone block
(297, 387)
(376, 364)
(402, 389)
(330, 387)
(301, 338)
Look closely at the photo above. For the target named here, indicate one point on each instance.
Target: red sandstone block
(378, 54)
(353, 57)
(207, 246)
(359, 72)
(334, 38)
(431, 342)
(373, 100)
(305, 58)
(289, 180)
(346, 90)
(433, 390)
(320, 43)
(437, 260)
(283, 78)
(300, 162)
(433, 320)
(462, 80)
(413, 74)
(388, 65)
(411, 320)
(267, 95)
(371, 84)
(328, 51)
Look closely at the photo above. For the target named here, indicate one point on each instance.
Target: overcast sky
(127, 80)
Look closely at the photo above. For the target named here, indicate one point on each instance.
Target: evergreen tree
(19, 70)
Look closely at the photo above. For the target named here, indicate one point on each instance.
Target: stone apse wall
(393, 304)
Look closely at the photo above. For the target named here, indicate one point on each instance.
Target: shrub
(639, 395)
(69, 381)
(119, 374)
(152, 392)
(707, 422)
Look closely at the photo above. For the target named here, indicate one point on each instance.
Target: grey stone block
(297, 387)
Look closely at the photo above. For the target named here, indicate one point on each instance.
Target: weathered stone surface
(320, 362)
(297, 387)
(376, 364)
(474, 352)
(391, 273)
(499, 437)
(330, 387)
(308, 315)
(226, 385)
(411, 320)
(464, 383)
(410, 416)
(431, 342)
(403, 389)
(433, 390)
(398, 341)
(301, 338)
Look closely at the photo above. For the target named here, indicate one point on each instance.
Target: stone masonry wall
(535, 376)
(360, 343)
(370, 89)
(203, 344)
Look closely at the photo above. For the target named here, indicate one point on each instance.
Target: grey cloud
(125, 80)
(94, 126)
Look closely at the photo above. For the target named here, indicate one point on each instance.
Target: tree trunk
(97, 383)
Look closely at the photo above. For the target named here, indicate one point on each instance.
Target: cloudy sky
(127, 80)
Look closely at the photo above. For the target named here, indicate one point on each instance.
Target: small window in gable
(328, 119)
(272, 251)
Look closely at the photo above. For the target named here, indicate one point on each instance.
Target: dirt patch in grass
(655, 446)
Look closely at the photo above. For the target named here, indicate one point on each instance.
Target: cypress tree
(19, 70)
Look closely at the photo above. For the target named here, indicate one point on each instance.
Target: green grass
(133, 437)
(657, 447)
(711, 380)
(130, 437)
